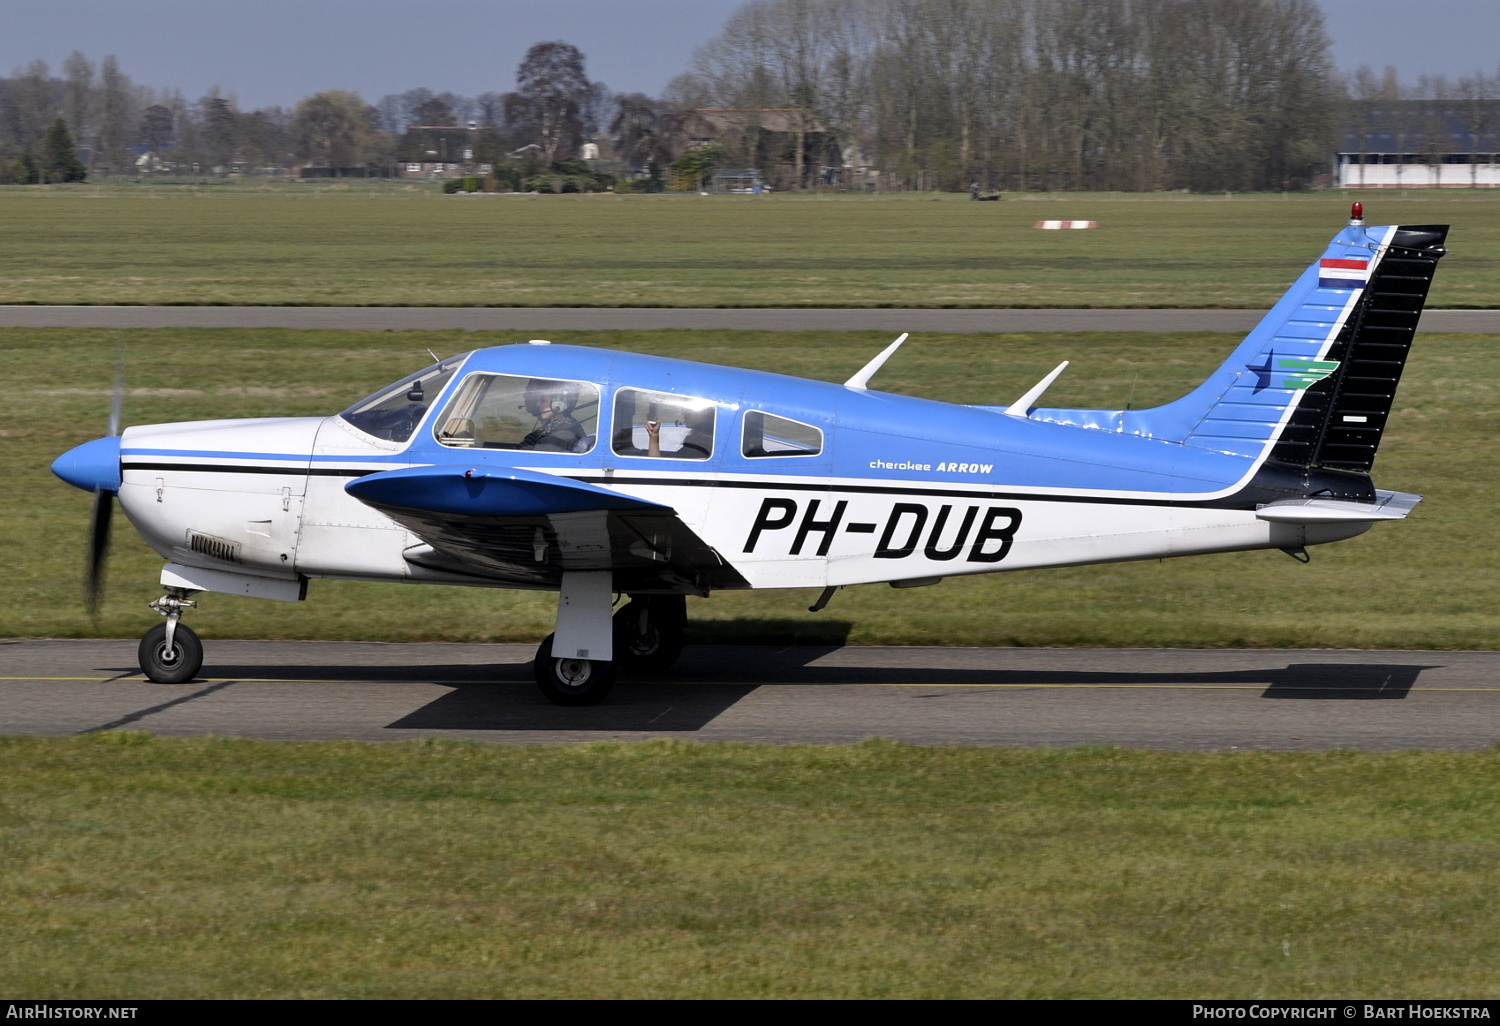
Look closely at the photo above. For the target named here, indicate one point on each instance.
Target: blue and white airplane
(594, 474)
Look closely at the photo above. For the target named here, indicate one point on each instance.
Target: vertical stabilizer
(1312, 385)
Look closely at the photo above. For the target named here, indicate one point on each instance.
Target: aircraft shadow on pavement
(694, 699)
(1359, 681)
(373, 673)
(682, 701)
(628, 708)
(712, 679)
(1353, 680)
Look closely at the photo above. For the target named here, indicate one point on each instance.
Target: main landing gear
(577, 664)
(571, 680)
(171, 652)
(648, 632)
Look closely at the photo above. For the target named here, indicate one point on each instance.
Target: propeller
(103, 510)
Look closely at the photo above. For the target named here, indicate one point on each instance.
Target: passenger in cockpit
(699, 442)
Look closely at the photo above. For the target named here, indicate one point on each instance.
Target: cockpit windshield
(394, 412)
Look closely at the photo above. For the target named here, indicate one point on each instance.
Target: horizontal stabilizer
(1387, 506)
(486, 492)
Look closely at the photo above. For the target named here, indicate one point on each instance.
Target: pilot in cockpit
(552, 404)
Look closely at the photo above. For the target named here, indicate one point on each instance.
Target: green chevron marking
(1303, 371)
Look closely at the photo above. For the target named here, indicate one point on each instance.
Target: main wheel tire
(572, 681)
(655, 650)
(179, 665)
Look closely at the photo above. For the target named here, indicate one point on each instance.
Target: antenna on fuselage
(1022, 406)
(861, 380)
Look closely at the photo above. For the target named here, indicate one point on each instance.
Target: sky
(274, 52)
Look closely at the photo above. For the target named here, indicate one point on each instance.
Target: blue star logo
(1262, 373)
(1298, 372)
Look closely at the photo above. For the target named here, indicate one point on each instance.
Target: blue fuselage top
(869, 435)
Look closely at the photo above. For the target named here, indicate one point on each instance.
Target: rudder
(1339, 421)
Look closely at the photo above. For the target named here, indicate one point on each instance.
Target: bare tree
(157, 129)
(1050, 93)
(33, 104)
(217, 120)
(1432, 95)
(433, 111)
(1475, 96)
(79, 99)
(1367, 93)
(117, 114)
(489, 110)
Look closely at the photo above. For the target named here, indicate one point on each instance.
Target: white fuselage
(233, 496)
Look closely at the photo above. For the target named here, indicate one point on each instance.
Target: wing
(525, 528)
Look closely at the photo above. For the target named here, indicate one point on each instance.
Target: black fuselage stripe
(219, 468)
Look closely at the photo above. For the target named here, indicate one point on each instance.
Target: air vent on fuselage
(214, 548)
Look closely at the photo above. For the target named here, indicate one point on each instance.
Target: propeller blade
(117, 398)
(99, 522)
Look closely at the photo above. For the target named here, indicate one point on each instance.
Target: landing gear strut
(171, 652)
(648, 632)
(575, 665)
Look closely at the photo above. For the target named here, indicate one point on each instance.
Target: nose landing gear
(171, 652)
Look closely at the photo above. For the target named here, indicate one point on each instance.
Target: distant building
(1421, 144)
(356, 171)
(744, 180)
(784, 141)
(440, 151)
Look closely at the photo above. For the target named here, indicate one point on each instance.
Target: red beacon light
(1357, 213)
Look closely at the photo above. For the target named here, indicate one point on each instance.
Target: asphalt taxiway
(1155, 698)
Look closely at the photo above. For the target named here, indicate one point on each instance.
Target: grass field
(139, 867)
(353, 244)
(1430, 582)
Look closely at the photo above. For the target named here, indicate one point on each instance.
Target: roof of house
(1404, 126)
(770, 119)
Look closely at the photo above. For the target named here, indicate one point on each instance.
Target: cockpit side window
(393, 413)
(769, 435)
(504, 411)
(663, 425)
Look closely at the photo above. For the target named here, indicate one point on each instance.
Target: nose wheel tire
(653, 643)
(175, 665)
(571, 681)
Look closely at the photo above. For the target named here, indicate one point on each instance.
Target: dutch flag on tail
(1343, 274)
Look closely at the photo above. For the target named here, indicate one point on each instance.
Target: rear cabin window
(769, 435)
(503, 411)
(663, 425)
